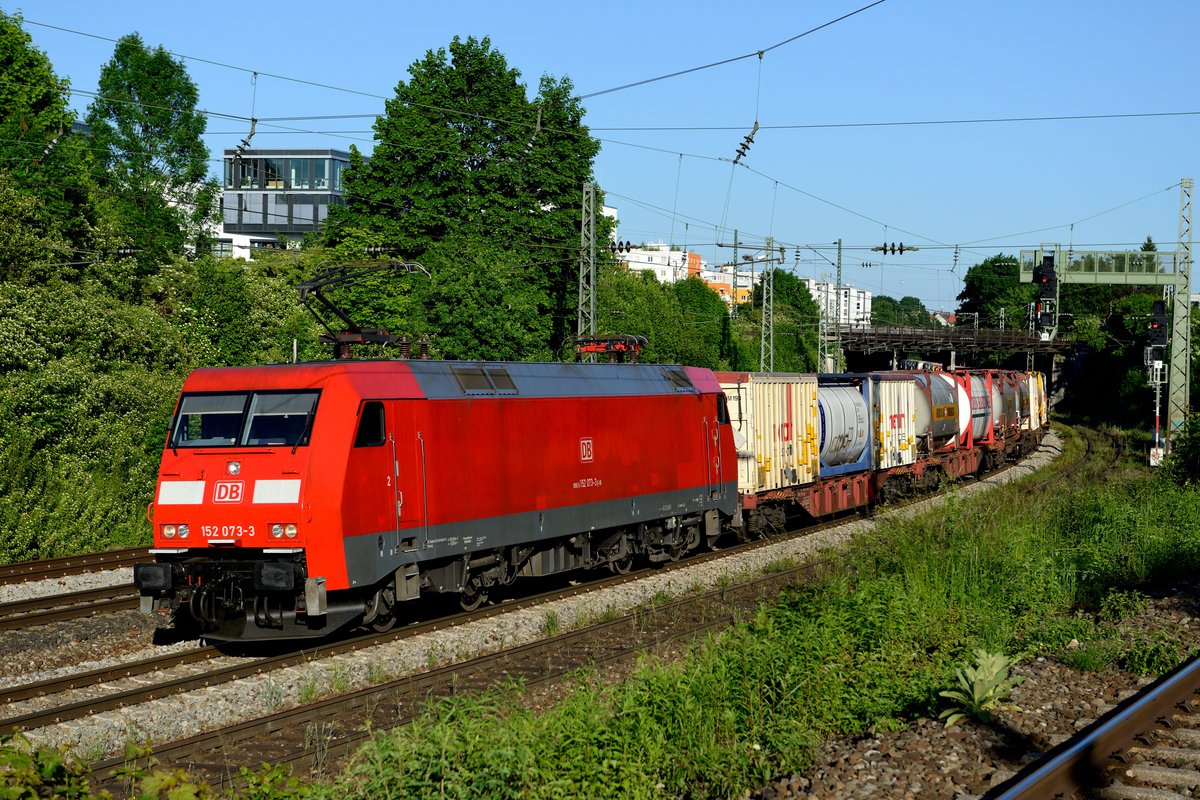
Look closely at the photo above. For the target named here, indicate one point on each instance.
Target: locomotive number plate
(223, 531)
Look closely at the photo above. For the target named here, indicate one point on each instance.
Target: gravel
(924, 760)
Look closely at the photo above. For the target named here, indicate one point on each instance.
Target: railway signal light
(1046, 279)
(620, 247)
(1160, 326)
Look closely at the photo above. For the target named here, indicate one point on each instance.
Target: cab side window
(371, 429)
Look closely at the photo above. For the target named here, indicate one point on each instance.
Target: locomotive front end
(229, 518)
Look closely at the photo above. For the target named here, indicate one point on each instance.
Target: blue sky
(829, 160)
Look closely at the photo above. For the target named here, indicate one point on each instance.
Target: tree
(30, 248)
(45, 159)
(634, 302)
(152, 161)
(991, 286)
(907, 310)
(706, 317)
(461, 151)
(797, 318)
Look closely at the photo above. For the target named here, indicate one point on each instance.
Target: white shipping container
(896, 414)
(774, 420)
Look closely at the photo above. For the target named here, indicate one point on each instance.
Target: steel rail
(1081, 762)
(55, 608)
(24, 571)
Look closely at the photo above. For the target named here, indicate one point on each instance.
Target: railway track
(71, 605)
(314, 738)
(1147, 748)
(71, 565)
(82, 694)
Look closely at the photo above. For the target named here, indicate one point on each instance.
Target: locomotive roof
(430, 379)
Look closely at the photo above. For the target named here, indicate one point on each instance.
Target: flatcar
(296, 500)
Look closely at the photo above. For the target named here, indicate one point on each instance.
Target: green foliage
(1151, 655)
(153, 161)
(1092, 655)
(631, 302)
(90, 382)
(992, 285)
(32, 772)
(1182, 465)
(45, 159)
(478, 303)
(905, 311)
(31, 250)
(982, 689)
(1118, 605)
(796, 326)
(462, 154)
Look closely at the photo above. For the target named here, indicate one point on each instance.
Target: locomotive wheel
(385, 623)
(621, 566)
(474, 594)
(383, 610)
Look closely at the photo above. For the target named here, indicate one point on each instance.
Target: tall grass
(869, 649)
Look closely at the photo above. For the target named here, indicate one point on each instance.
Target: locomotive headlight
(277, 531)
(183, 531)
(289, 530)
(233, 467)
(168, 531)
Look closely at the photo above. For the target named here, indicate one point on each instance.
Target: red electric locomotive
(294, 500)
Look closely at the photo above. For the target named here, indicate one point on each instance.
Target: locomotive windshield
(244, 419)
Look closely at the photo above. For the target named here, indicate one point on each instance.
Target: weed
(339, 679)
(1153, 655)
(777, 565)
(550, 625)
(377, 672)
(309, 690)
(1118, 606)
(273, 694)
(433, 656)
(982, 688)
(1092, 655)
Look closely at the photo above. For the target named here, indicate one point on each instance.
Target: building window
(320, 174)
(297, 171)
(338, 167)
(272, 173)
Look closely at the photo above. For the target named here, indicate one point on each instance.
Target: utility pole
(733, 313)
(766, 347)
(587, 268)
(1181, 319)
(837, 320)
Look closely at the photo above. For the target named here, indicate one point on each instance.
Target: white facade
(668, 265)
(846, 305)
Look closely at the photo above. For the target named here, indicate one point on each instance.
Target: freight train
(295, 500)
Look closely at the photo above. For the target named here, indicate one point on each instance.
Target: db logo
(229, 491)
(586, 453)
